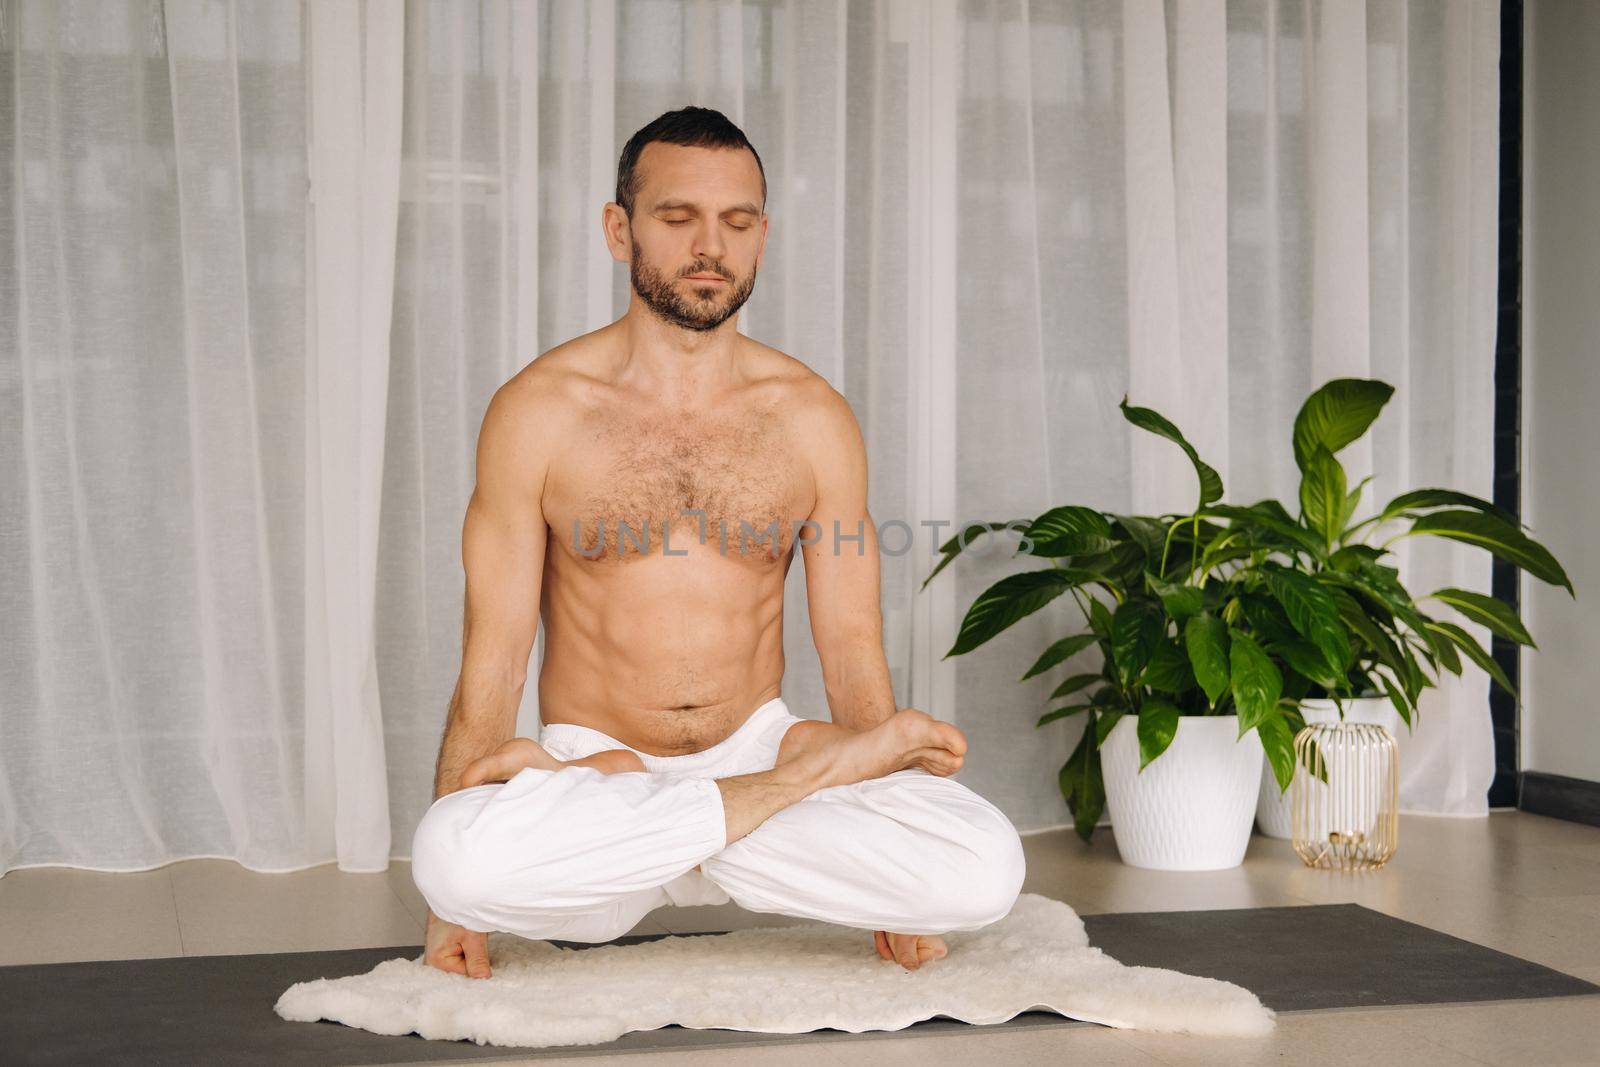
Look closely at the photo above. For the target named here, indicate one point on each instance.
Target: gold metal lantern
(1346, 796)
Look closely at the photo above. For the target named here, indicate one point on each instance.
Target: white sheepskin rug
(781, 980)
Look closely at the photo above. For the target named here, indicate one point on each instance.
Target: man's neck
(678, 366)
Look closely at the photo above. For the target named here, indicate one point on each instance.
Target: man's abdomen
(666, 654)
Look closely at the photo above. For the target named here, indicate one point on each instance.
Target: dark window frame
(1505, 791)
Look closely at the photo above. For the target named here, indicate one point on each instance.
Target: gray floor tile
(60, 914)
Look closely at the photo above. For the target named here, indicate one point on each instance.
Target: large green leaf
(1107, 722)
(1277, 739)
(1059, 652)
(1500, 538)
(1443, 647)
(1147, 419)
(1158, 724)
(1425, 647)
(1181, 601)
(1010, 599)
(1384, 584)
(1257, 683)
(1107, 696)
(1495, 614)
(1308, 660)
(1469, 644)
(1356, 612)
(1136, 626)
(1069, 531)
(1117, 568)
(1312, 610)
(1380, 588)
(1232, 546)
(1169, 670)
(1350, 558)
(1061, 713)
(1297, 687)
(1397, 698)
(953, 547)
(1322, 493)
(1384, 578)
(1267, 617)
(1206, 638)
(1082, 784)
(1143, 531)
(1353, 612)
(1351, 499)
(1444, 498)
(1267, 530)
(1073, 684)
(1336, 414)
(1100, 619)
(1273, 507)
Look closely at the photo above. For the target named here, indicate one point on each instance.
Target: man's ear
(620, 243)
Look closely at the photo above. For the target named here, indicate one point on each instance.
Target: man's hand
(455, 948)
(503, 763)
(910, 950)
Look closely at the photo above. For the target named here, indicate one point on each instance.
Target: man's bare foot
(908, 738)
(910, 950)
(808, 736)
(804, 736)
(520, 753)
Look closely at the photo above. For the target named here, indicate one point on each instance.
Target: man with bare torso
(642, 488)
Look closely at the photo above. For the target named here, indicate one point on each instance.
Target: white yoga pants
(577, 855)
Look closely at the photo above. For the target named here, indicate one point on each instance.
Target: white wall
(1561, 382)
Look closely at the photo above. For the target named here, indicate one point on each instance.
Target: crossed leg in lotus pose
(911, 950)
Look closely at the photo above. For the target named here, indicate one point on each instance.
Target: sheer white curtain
(1215, 208)
(264, 265)
(153, 429)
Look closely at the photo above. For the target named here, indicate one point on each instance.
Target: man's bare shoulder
(532, 417)
(807, 402)
(550, 394)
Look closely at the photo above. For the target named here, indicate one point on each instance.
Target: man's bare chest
(634, 487)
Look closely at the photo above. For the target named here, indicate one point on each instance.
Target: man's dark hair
(692, 127)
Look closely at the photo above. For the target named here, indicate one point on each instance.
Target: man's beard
(688, 308)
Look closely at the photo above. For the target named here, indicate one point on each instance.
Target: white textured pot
(1274, 808)
(1192, 808)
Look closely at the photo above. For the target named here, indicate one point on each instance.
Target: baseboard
(1560, 797)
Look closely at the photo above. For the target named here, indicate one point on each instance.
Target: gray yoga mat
(218, 1009)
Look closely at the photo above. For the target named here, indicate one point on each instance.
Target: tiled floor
(1520, 883)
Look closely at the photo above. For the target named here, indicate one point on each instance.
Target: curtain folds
(354, 148)
(262, 265)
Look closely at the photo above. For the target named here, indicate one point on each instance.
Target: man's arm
(842, 572)
(502, 552)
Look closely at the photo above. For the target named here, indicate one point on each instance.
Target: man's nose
(708, 241)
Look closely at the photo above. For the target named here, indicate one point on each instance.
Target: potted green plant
(1175, 671)
(1394, 643)
(1223, 628)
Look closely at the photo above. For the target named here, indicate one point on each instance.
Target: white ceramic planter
(1193, 807)
(1274, 809)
